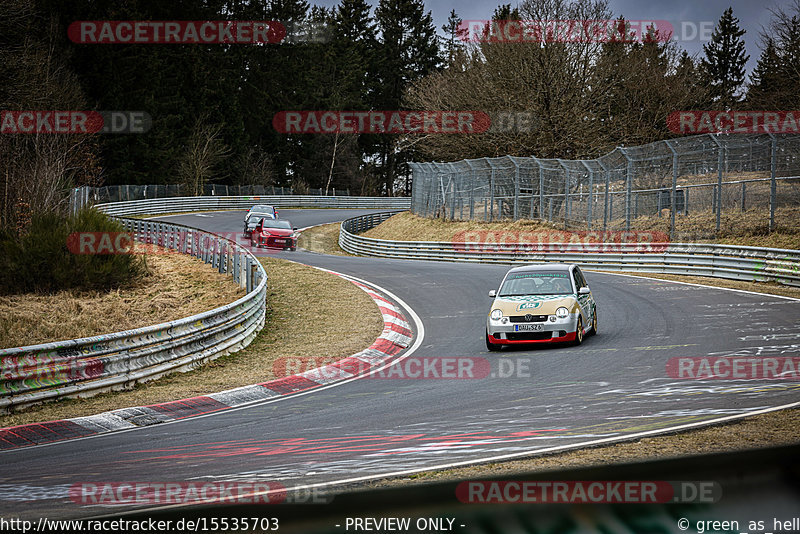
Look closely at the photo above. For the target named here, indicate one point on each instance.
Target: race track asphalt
(614, 385)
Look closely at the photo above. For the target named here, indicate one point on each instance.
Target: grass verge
(177, 286)
(742, 228)
(323, 239)
(297, 297)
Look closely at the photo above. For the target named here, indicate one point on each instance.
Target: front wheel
(579, 332)
(494, 347)
(594, 322)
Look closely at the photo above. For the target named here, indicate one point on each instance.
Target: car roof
(260, 213)
(538, 267)
(261, 207)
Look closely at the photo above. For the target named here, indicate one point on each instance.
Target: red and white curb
(396, 336)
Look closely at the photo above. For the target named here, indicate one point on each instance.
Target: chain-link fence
(120, 193)
(706, 179)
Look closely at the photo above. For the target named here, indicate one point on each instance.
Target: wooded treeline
(212, 104)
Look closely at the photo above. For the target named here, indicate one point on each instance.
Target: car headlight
(496, 315)
(562, 312)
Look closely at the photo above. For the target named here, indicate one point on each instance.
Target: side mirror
(584, 291)
(295, 229)
(493, 293)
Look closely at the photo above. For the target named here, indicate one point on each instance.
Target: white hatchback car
(544, 303)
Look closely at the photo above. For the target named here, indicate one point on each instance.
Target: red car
(274, 233)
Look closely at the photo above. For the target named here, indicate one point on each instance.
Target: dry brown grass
(177, 286)
(323, 239)
(749, 228)
(406, 226)
(309, 313)
(766, 430)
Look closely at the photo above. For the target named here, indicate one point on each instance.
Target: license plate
(527, 327)
(280, 240)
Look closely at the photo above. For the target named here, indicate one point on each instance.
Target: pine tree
(505, 12)
(724, 62)
(765, 80)
(454, 33)
(408, 51)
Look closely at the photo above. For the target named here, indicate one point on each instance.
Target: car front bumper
(558, 331)
(275, 242)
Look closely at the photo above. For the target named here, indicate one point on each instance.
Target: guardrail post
(249, 275)
(773, 185)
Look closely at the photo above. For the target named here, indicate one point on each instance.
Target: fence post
(629, 180)
(516, 189)
(718, 196)
(686, 201)
(591, 195)
(744, 194)
(491, 191)
(471, 189)
(452, 182)
(672, 197)
(566, 191)
(773, 185)
(607, 195)
(541, 189)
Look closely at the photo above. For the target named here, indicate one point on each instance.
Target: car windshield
(255, 216)
(536, 283)
(277, 223)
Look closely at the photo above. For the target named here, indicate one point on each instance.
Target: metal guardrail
(697, 259)
(82, 367)
(185, 204)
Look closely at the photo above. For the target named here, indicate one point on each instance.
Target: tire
(594, 323)
(579, 332)
(493, 347)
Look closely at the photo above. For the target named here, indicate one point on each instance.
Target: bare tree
(205, 151)
(38, 169)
